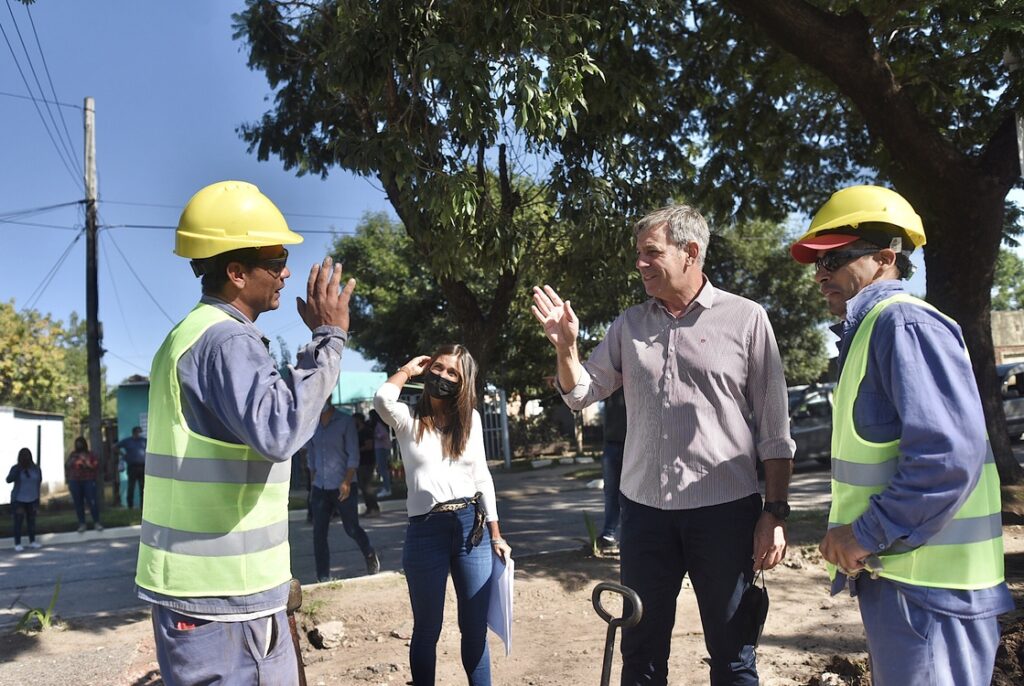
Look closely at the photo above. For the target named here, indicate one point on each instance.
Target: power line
(141, 282)
(69, 160)
(49, 79)
(52, 102)
(285, 212)
(110, 352)
(41, 226)
(120, 307)
(38, 210)
(37, 294)
(167, 227)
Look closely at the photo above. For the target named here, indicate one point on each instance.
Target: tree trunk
(963, 230)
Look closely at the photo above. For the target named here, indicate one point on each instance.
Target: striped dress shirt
(705, 398)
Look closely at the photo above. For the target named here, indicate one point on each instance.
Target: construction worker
(223, 423)
(914, 530)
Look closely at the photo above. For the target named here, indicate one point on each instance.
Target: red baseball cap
(806, 251)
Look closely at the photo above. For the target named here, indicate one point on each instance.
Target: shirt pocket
(875, 417)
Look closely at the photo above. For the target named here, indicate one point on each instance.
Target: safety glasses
(274, 265)
(834, 259)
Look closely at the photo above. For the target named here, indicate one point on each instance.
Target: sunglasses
(274, 265)
(834, 259)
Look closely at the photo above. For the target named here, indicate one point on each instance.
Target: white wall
(41, 433)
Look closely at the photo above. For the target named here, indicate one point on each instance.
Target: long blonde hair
(458, 413)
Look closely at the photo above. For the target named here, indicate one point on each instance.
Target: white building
(40, 432)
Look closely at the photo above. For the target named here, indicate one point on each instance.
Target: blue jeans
(24, 511)
(83, 492)
(383, 468)
(436, 544)
(224, 653)
(611, 468)
(325, 503)
(714, 546)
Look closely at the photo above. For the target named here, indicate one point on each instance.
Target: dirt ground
(557, 637)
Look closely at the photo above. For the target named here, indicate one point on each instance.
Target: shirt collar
(235, 313)
(705, 298)
(859, 305)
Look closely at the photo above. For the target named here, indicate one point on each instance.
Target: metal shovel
(629, 598)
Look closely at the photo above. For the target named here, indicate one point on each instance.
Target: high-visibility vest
(968, 552)
(215, 517)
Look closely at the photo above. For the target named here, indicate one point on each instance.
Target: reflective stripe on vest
(968, 552)
(215, 516)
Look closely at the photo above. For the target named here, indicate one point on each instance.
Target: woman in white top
(451, 496)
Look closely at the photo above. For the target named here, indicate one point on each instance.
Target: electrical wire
(52, 102)
(107, 351)
(41, 226)
(68, 161)
(139, 279)
(38, 210)
(37, 294)
(120, 307)
(49, 79)
(284, 212)
(164, 227)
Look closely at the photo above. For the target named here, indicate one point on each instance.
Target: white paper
(499, 612)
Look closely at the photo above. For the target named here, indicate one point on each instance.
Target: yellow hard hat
(841, 219)
(229, 215)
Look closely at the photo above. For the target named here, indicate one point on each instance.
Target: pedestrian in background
(450, 496)
(27, 478)
(134, 455)
(915, 531)
(333, 455)
(83, 468)
(705, 401)
(382, 452)
(367, 464)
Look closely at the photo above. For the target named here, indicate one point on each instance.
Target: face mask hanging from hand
(437, 387)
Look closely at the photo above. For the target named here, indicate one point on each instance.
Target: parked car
(810, 421)
(1012, 377)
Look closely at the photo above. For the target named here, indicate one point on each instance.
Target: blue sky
(170, 87)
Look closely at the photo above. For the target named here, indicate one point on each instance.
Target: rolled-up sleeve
(602, 372)
(766, 392)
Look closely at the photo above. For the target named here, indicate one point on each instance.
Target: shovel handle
(627, 594)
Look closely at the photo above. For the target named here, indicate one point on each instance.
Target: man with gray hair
(705, 399)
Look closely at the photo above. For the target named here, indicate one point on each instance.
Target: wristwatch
(779, 509)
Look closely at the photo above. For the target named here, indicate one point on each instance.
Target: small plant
(44, 617)
(313, 607)
(591, 533)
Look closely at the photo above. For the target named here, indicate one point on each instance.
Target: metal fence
(495, 418)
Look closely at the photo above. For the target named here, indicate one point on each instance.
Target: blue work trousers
(325, 503)
(911, 645)
(255, 652)
(436, 545)
(84, 493)
(714, 545)
(611, 471)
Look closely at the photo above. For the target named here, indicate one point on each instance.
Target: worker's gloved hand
(326, 304)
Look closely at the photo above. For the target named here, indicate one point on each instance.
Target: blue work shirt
(333, 450)
(919, 388)
(134, 450)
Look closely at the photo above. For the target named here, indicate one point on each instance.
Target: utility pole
(93, 329)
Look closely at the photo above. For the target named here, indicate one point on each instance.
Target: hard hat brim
(806, 251)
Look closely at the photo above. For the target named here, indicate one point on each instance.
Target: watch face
(778, 509)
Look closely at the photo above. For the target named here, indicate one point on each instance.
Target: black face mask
(437, 387)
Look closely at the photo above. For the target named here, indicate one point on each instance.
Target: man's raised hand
(326, 304)
(560, 323)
